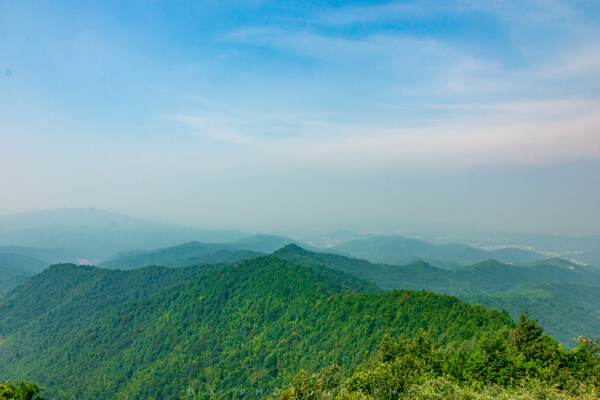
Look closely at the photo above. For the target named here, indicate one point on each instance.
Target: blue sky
(284, 116)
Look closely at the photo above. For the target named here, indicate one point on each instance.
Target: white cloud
(535, 105)
(512, 133)
(211, 128)
(459, 146)
(392, 50)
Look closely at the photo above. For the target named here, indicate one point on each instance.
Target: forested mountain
(16, 268)
(196, 252)
(486, 283)
(566, 310)
(487, 277)
(253, 324)
(184, 254)
(76, 329)
(23, 262)
(399, 250)
(418, 275)
(67, 292)
(47, 256)
(262, 243)
(11, 277)
(526, 364)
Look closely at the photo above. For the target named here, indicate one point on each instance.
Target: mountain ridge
(268, 317)
(488, 283)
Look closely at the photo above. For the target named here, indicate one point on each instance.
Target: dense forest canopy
(562, 295)
(252, 324)
(520, 364)
(158, 332)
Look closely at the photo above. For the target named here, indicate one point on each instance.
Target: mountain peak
(291, 248)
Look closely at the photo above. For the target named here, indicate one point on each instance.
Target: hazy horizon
(368, 116)
(69, 218)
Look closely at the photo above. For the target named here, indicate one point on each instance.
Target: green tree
(525, 338)
(23, 391)
(490, 362)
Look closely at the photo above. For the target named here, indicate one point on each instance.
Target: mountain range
(84, 332)
(556, 292)
(401, 250)
(559, 293)
(94, 234)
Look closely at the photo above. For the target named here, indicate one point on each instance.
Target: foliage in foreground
(525, 365)
(22, 391)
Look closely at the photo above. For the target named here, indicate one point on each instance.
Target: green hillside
(418, 275)
(23, 262)
(262, 243)
(11, 277)
(525, 365)
(566, 310)
(197, 252)
(43, 256)
(565, 307)
(184, 254)
(487, 277)
(16, 268)
(254, 324)
(64, 293)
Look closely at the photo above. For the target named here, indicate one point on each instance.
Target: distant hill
(16, 269)
(583, 249)
(184, 254)
(94, 234)
(252, 325)
(22, 262)
(42, 255)
(262, 243)
(486, 277)
(326, 240)
(196, 252)
(301, 256)
(515, 255)
(11, 277)
(400, 251)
